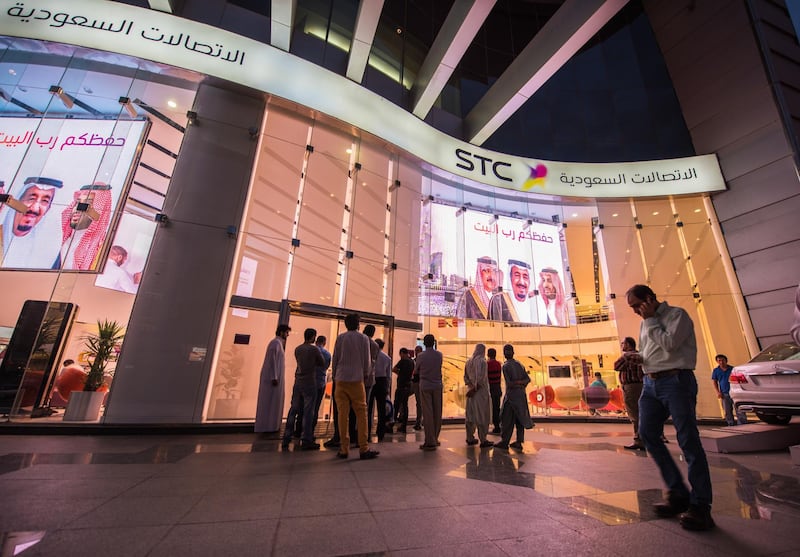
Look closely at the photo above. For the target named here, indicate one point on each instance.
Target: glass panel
(233, 386)
(370, 236)
(403, 282)
(316, 262)
(105, 252)
(271, 211)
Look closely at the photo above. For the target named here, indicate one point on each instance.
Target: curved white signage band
(174, 41)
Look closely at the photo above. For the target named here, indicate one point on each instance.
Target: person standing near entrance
(379, 392)
(429, 369)
(404, 369)
(629, 366)
(477, 411)
(515, 413)
(669, 354)
(351, 367)
(304, 392)
(415, 391)
(495, 371)
(269, 408)
(721, 377)
(322, 375)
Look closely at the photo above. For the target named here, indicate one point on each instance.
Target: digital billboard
(68, 178)
(493, 268)
(127, 254)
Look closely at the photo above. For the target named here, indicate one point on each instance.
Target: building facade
(256, 178)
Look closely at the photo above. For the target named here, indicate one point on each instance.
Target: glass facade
(339, 221)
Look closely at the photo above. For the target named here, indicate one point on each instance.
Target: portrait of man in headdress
(474, 301)
(84, 224)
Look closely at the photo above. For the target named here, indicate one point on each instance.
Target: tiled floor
(573, 491)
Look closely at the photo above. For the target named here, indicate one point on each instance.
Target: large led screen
(493, 268)
(67, 178)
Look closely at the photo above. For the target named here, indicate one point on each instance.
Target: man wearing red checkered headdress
(83, 235)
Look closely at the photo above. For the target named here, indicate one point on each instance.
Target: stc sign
(161, 37)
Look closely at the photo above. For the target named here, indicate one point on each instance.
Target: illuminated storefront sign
(183, 43)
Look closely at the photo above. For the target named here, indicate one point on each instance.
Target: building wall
(732, 104)
(162, 373)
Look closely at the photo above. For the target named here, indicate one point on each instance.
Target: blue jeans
(675, 396)
(304, 398)
(727, 406)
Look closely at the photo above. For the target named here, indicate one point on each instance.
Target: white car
(769, 384)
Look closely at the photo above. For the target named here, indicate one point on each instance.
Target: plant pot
(84, 406)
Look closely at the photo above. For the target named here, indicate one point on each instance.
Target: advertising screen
(127, 254)
(500, 269)
(67, 178)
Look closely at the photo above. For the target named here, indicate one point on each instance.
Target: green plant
(100, 348)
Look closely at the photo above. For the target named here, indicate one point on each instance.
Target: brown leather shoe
(697, 518)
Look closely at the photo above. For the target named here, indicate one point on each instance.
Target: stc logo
(470, 162)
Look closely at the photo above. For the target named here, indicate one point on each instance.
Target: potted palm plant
(100, 348)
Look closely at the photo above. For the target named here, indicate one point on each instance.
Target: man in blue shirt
(322, 375)
(721, 377)
(669, 354)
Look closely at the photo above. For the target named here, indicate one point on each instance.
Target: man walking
(351, 367)
(669, 354)
(629, 366)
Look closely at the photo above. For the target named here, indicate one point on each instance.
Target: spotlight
(252, 132)
(128, 106)
(427, 200)
(192, 116)
(161, 219)
(65, 98)
(395, 185)
(494, 219)
(527, 224)
(461, 211)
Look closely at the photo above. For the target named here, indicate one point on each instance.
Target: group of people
(658, 382)
(26, 244)
(486, 299)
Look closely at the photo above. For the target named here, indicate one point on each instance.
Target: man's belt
(665, 373)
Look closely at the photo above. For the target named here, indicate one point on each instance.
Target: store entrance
(251, 325)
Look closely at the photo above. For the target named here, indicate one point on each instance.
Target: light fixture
(527, 224)
(427, 200)
(192, 116)
(172, 104)
(161, 219)
(494, 219)
(461, 211)
(395, 185)
(128, 106)
(15, 204)
(65, 98)
(88, 210)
